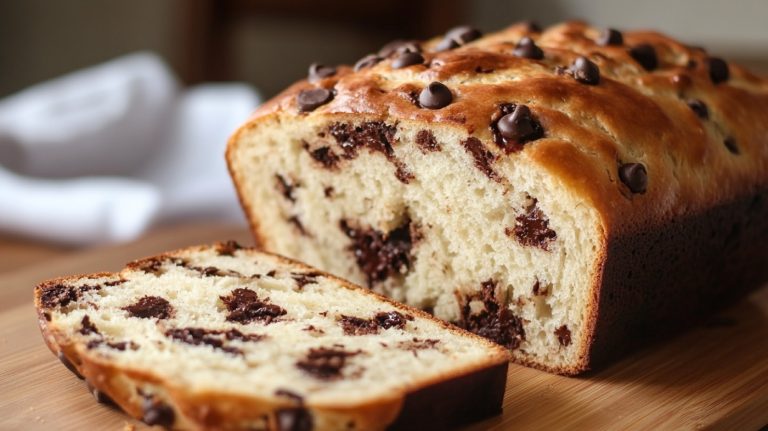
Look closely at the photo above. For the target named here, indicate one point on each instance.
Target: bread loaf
(224, 338)
(567, 192)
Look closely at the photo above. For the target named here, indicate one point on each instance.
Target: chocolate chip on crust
(309, 100)
(634, 176)
(645, 55)
(718, 70)
(319, 72)
(699, 108)
(407, 59)
(610, 36)
(730, 143)
(527, 48)
(513, 126)
(435, 96)
(149, 307)
(463, 34)
(155, 412)
(585, 71)
(245, 306)
(369, 60)
(294, 419)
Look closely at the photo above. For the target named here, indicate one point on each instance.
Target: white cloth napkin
(103, 154)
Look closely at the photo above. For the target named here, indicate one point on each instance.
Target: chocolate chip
(435, 96)
(380, 255)
(207, 337)
(532, 227)
(519, 127)
(532, 26)
(718, 70)
(416, 344)
(70, 366)
(294, 419)
(730, 143)
(427, 141)
(392, 319)
(319, 72)
(585, 71)
(610, 36)
(463, 34)
(645, 55)
(563, 335)
(309, 100)
(57, 295)
(290, 394)
(325, 156)
(88, 327)
(303, 279)
(407, 59)
(495, 322)
(483, 157)
(634, 176)
(391, 47)
(100, 396)
(356, 326)
(369, 60)
(446, 44)
(325, 363)
(157, 413)
(285, 188)
(245, 306)
(527, 48)
(149, 307)
(698, 107)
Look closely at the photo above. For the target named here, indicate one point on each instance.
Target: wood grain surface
(712, 377)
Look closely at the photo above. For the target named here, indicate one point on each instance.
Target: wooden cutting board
(713, 377)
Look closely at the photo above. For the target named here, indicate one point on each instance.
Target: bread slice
(565, 193)
(228, 338)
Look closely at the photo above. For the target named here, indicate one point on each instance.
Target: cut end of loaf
(230, 338)
(432, 217)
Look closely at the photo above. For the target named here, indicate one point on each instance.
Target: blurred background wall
(270, 43)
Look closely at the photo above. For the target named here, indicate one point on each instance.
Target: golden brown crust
(221, 411)
(633, 115)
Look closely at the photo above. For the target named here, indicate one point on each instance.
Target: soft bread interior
(482, 237)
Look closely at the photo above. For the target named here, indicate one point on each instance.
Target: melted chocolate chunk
(325, 363)
(153, 265)
(532, 228)
(527, 48)
(328, 191)
(426, 141)
(325, 156)
(318, 72)
(435, 96)
(285, 188)
(309, 100)
(100, 396)
(496, 322)
(244, 307)
(391, 319)
(228, 248)
(294, 220)
(718, 70)
(69, 365)
(417, 344)
(357, 326)
(699, 108)
(563, 335)
(202, 336)
(294, 419)
(585, 71)
(150, 307)
(610, 36)
(88, 327)
(369, 60)
(513, 126)
(634, 176)
(375, 135)
(303, 279)
(58, 295)
(645, 55)
(155, 412)
(380, 255)
(482, 156)
(212, 271)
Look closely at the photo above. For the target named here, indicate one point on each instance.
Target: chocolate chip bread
(227, 338)
(566, 192)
